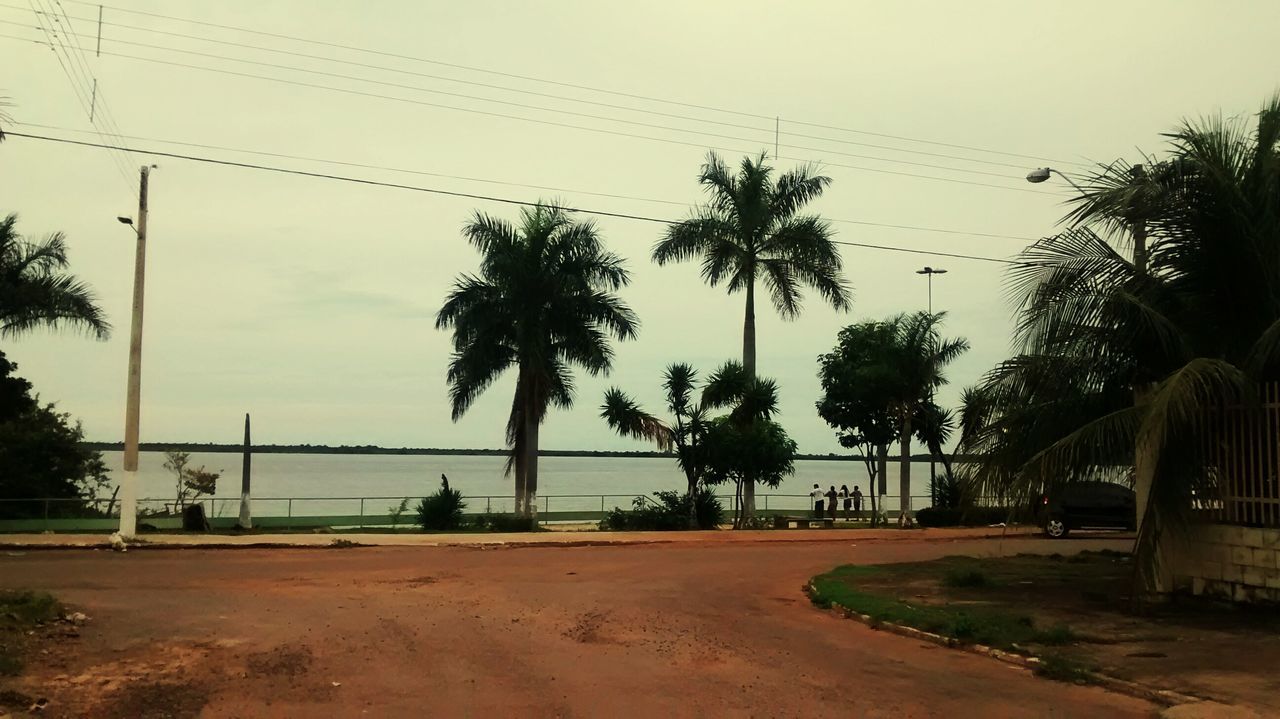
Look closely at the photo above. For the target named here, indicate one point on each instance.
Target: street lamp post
(133, 396)
(930, 272)
(1139, 227)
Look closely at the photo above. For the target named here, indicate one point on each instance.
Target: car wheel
(1056, 528)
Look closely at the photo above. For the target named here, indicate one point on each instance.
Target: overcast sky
(310, 303)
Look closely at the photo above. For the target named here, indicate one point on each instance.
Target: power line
(552, 123)
(200, 38)
(83, 101)
(529, 78)
(366, 166)
(451, 193)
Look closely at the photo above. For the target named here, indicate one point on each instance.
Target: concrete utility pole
(246, 516)
(930, 272)
(133, 397)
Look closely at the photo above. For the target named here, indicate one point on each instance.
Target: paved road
(683, 629)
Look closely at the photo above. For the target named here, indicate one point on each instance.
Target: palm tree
(36, 291)
(1112, 355)
(922, 355)
(752, 230)
(543, 301)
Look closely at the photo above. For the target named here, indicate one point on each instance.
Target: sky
(310, 303)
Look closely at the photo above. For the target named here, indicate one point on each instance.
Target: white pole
(129, 486)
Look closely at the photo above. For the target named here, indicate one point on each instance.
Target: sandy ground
(688, 628)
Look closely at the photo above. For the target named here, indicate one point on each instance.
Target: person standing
(816, 497)
(831, 502)
(846, 499)
(857, 500)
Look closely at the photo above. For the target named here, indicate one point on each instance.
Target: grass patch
(19, 612)
(970, 624)
(966, 578)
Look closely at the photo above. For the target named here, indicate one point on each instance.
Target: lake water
(316, 481)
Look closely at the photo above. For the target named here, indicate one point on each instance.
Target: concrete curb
(325, 540)
(1163, 697)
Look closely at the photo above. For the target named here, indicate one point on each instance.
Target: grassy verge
(19, 613)
(994, 627)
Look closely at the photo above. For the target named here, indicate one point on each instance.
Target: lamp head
(126, 221)
(1038, 175)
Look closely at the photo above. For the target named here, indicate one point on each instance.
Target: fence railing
(1241, 455)
(69, 514)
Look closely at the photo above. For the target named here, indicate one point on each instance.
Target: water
(315, 480)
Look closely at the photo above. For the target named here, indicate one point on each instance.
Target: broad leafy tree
(36, 291)
(544, 300)
(1114, 354)
(41, 454)
(753, 231)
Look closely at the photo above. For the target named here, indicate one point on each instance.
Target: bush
(442, 510)
(505, 523)
(963, 516)
(669, 512)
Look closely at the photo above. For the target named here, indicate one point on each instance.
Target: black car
(1088, 505)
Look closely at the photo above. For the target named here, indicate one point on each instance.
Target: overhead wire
(529, 78)
(81, 94)
(385, 168)
(394, 98)
(467, 195)
(322, 58)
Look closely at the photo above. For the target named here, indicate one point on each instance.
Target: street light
(1040, 174)
(133, 391)
(930, 272)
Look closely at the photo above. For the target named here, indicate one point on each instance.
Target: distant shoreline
(373, 449)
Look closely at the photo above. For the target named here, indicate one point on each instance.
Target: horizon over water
(321, 477)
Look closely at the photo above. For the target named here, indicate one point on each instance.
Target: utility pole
(1139, 229)
(246, 515)
(133, 397)
(930, 272)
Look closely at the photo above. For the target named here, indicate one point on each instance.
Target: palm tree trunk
(532, 421)
(749, 364)
(904, 472)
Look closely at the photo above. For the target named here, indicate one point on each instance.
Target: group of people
(827, 502)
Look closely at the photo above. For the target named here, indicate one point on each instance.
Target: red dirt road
(663, 630)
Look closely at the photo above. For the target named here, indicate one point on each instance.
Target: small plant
(398, 511)
(189, 483)
(669, 512)
(966, 578)
(442, 511)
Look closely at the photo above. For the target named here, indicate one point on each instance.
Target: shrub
(669, 512)
(442, 510)
(963, 516)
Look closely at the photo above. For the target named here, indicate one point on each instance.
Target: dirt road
(660, 630)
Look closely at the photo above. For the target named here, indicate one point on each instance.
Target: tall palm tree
(922, 357)
(752, 230)
(1112, 356)
(36, 291)
(544, 300)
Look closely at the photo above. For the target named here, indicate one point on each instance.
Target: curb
(1163, 697)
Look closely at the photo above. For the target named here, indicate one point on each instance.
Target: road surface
(700, 629)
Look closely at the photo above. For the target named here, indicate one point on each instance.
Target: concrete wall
(1237, 563)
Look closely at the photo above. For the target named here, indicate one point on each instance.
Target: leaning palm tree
(36, 291)
(544, 300)
(1115, 354)
(752, 230)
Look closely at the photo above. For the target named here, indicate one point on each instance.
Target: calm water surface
(324, 477)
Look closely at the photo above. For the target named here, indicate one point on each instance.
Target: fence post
(766, 502)
(290, 512)
(546, 503)
(602, 504)
(362, 512)
(488, 504)
(46, 515)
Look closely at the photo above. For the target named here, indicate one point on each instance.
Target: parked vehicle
(1088, 505)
